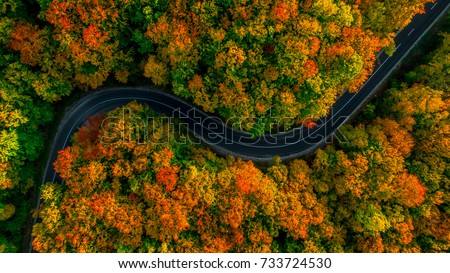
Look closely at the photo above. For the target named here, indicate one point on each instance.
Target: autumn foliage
(385, 191)
(383, 188)
(238, 58)
(242, 58)
(153, 199)
(361, 195)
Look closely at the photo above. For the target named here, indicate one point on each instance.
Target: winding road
(222, 138)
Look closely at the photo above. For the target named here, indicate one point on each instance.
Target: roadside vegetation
(241, 59)
(292, 57)
(384, 190)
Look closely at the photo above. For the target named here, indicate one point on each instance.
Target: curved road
(223, 139)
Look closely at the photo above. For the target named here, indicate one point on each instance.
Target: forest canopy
(234, 58)
(239, 59)
(386, 189)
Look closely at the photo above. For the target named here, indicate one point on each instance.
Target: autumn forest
(385, 189)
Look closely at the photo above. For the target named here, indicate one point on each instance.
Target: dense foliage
(290, 59)
(385, 189)
(22, 114)
(243, 59)
(300, 54)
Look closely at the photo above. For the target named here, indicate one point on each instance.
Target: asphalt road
(222, 138)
